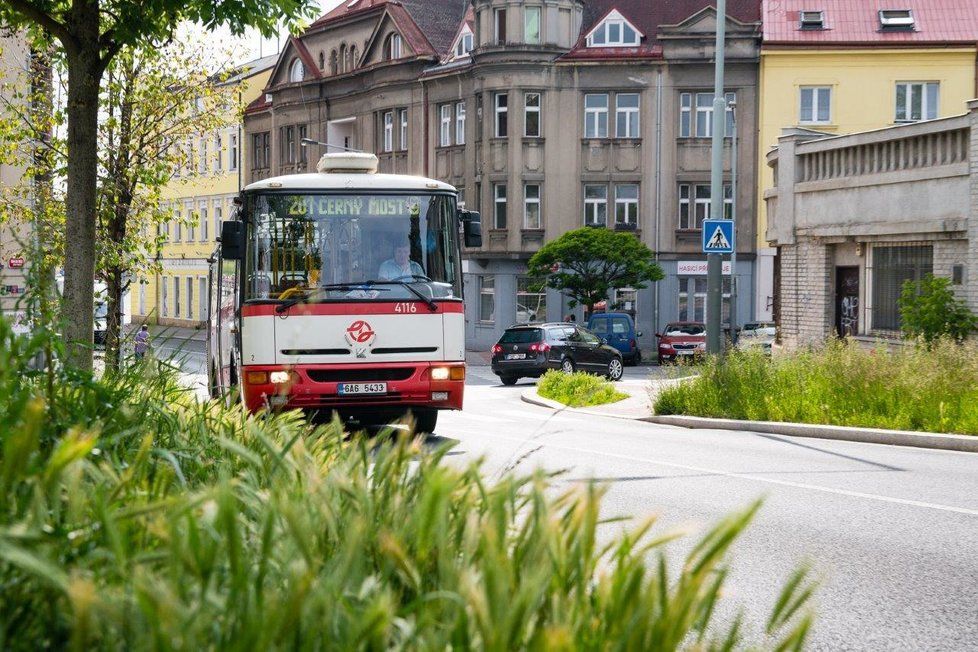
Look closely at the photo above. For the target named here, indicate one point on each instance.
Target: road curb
(530, 395)
(961, 443)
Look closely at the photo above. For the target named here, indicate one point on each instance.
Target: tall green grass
(133, 517)
(928, 388)
(578, 389)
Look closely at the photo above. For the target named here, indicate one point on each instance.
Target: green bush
(577, 389)
(133, 517)
(929, 310)
(910, 388)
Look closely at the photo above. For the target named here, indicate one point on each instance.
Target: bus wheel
(425, 420)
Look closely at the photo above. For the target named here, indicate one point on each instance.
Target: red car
(682, 339)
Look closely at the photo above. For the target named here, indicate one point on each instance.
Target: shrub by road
(578, 389)
(930, 388)
(133, 517)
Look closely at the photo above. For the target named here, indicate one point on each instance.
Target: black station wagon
(528, 351)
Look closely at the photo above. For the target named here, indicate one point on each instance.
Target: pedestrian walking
(142, 342)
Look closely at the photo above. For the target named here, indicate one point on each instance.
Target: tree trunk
(115, 288)
(84, 75)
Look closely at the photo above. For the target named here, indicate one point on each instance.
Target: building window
(502, 109)
(892, 267)
(531, 301)
(142, 297)
(696, 114)
(626, 205)
(916, 101)
(218, 153)
(192, 219)
(595, 205)
(333, 63)
(388, 131)
(487, 298)
(218, 216)
(259, 154)
(202, 298)
(322, 60)
(445, 132)
(815, 103)
(205, 225)
(288, 144)
(626, 113)
(531, 25)
(164, 298)
(692, 299)
(190, 297)
(303, 133)
(531, 206)
(499, 205)
(233, 152)
(464, 44)
(811, 20)
(177, 227)
(297, 71)
(596, 115)
(404, 129)
(694, 204)
(614, 31)
(202, 159)
(392, 50)
(460, 123)
(500, 25)
(351, 58)
(532, 115)
(176, 297)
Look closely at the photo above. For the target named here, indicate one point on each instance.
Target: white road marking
(746, 476)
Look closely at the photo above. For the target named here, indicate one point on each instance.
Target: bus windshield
(357, 246)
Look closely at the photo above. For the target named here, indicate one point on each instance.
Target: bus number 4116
(405, 307)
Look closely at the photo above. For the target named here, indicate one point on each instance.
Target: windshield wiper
(428, 301)
(305, 298)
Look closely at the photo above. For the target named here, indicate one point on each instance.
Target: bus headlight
(279, 377)
(448, 373)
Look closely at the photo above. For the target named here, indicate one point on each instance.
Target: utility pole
(714, 261)
(733, 214)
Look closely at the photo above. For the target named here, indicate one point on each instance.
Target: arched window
(352, 58)
(297, 71)
(392, 47)
(343, 58)
(332, 63)
(322, 60)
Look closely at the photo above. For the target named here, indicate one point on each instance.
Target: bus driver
(400, 266)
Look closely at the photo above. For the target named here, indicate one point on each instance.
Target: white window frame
(925, 101)
(445, 130)
(460, 123)
(527, 12)
(190, 297)
(202, 153)
(393, 47)
(142, 297)
(603, 35)
(628, 204)
(177, 227)
(499, 205)
(203, 232)
(501, 111)
(691, 107)
(627, 116)
(202, 298)
(464, 44)
(698, 207)
(218, 216)
(297, 71)
(821, 99)
(189, 231)
(499, 17)
(595, 207)
(176, 298)
(233, 151)
(403, 140)
(532, 203)
(531, 109)
(164, 296)
(388, 131)
(593, 115)
(487, 287)
(218, 153)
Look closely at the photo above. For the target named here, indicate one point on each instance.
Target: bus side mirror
(232, 240)
(471, 228)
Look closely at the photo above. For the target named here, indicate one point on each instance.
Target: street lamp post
(714, 262)
(733, 214)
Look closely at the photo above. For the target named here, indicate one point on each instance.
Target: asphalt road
(891, 532)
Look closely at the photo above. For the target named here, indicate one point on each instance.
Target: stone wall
(806, 293)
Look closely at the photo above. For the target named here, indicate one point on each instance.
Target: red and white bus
(342, 290)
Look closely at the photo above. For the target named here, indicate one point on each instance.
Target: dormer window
(463, 45)
(614, 31)
(812, 20)
(392, 49)
(896, 20)
(297, 71)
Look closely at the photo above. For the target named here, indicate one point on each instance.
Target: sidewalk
(160, 333)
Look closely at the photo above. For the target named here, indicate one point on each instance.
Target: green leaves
(588, 263)
(930, 310)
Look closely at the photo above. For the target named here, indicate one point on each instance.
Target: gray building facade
(547, 115)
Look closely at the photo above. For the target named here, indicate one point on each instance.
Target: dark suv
(528, 351)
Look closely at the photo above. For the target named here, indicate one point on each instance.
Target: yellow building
(203, 193)
(838, 66)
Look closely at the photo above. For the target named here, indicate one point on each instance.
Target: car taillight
(542, 348)
(496, 349)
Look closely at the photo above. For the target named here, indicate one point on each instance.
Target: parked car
(524, 315)
(757, 335)
(682, 340)
(529, 351)
(619, 331)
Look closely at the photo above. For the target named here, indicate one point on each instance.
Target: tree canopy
(589, 262)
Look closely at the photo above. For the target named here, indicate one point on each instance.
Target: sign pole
(714, 261)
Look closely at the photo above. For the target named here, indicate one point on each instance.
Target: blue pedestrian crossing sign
(718, 236)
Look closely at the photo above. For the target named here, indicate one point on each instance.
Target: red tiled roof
(345, 9)
(258, 104)
(647, 16)
(857, 22)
